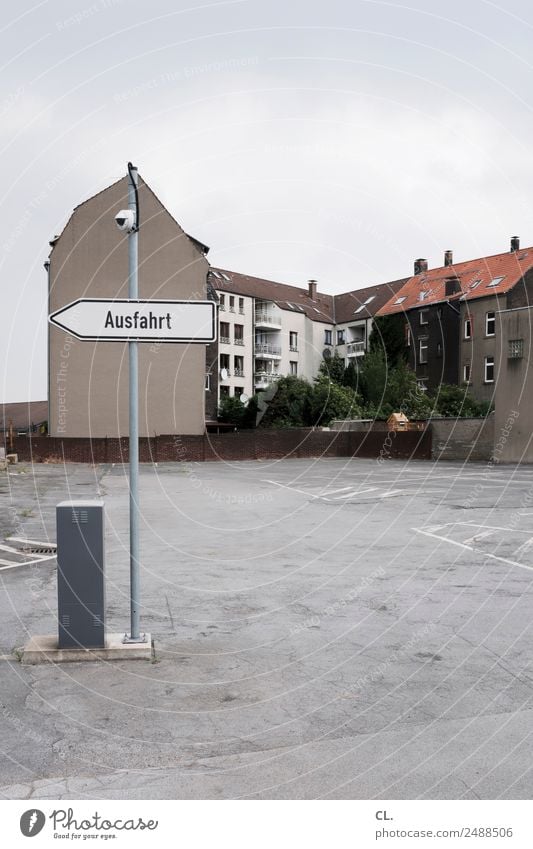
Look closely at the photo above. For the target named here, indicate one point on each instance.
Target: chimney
(451, 286)
(448, 258)
(515, 243)
(421, 265)
(312, 289)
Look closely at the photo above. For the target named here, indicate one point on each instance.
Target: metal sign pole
(133, 293)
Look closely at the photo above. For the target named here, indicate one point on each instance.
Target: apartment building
(354, 318)
(452, 316)
(267, 330)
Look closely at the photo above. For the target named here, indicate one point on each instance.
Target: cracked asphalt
(329, 628)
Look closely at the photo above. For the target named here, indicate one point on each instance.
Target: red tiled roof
(474, 278)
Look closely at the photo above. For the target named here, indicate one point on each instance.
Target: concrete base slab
(44, 649)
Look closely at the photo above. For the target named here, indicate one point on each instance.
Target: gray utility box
(80, 574)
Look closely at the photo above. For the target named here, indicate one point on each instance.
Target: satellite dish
(244, 398)
(223, 374)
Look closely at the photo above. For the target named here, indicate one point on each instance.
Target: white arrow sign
(98, 319)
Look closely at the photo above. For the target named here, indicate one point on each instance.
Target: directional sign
(98, 319)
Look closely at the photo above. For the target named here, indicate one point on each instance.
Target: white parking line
(477, 537)
(466, 547)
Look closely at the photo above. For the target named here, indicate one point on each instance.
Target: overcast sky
(338, 140)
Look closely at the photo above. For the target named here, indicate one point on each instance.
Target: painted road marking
(466, 547)
(478, 537)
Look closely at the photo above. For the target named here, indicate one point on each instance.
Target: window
(231, 303)
(489, 369)
(293, 367)
(207, 384)
(466, 373)
(241, 306)
(490, 323)
(468, 328)
(423, 350)
(293, 340)
(424, 316)
(359, 309)
(238, 334)
(439, 349)
(407, 334)
(224, 362)
(238, 391)
(422, 295)
(224, 391)
(327, 337)
(400, 300)
(340, 337)
(516, 349)
(422, 385)
(495, 282)
(222, 303)
(224, 332)
(238, 366)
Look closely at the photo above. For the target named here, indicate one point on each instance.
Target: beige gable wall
(88, 382)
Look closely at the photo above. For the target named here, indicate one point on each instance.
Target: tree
(388, 335)
(234, 411)
(330, 401)
(403, 393)
(373, 378)
(332, 368)
(454, 401)
(288, 404)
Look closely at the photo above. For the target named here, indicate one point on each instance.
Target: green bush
(330, 401)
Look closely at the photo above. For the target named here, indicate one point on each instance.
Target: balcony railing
(238, 372)
(222, 307)
(265, 378)
(225, 340)
(293, 348)
(268, 318)
(355, 348)
(267, 348)
(238, 341)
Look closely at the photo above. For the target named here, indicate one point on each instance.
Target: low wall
(462, 439)
(245, 445)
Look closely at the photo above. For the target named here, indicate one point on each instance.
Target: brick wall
(245, 445)
(463, 439)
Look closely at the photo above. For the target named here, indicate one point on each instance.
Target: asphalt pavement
(329, 628)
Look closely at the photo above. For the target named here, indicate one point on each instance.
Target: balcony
(355, 349)
(266, 350)
(264, 379)
(269, 320)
